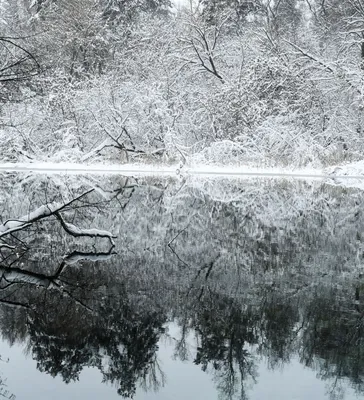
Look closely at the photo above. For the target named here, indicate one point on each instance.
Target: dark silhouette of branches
(18, 63)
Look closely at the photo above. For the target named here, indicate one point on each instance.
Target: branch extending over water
(47, 210)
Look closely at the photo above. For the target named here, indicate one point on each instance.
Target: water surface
(212, 288)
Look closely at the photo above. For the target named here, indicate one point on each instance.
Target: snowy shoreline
(353, 171)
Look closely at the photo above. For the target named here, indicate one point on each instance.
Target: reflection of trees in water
(64, 313)
(119, 328)
(266, 275)
(225, 330)
(107, 328)
(119, 331)
(232, 333)
(333, 335)
(278, 329)
(324, 327)
(66, 340)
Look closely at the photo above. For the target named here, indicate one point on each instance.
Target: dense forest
(268, 82)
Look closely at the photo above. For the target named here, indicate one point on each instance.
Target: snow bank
(355, 169)
(148, 169)
(349, 175)
(81, 169)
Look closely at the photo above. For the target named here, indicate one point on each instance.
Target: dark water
(229, 289)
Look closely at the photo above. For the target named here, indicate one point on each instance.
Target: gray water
(212, 288)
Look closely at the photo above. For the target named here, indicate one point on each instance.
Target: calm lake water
(211, 289)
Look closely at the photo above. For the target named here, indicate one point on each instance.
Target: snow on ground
(207, 170)
(355, 169)
(349, 175)
(80, 169)
(150, 169)
(169, 170)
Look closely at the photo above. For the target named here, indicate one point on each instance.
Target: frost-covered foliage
(266, 82)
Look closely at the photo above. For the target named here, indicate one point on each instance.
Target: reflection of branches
(181, 349)
(173, 250)
(225, 329)
(14, 276)
(7, 246)
(18, 276)
(209, 266)
(15, 304)
(5, 393)
(77, 256)
(154, 377)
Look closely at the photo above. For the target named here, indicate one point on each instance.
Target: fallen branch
(15, 304)
(44, 211)
(78, 232)
(53, 209)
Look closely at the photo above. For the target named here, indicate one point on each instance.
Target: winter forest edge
(261, 82)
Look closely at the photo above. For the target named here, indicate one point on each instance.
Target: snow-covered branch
(52, 209)
(44, 211)
(78, 232)
(326, 67)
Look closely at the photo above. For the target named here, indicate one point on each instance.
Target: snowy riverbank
(352, 171)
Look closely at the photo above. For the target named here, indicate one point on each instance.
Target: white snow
(145, 169)
(73, 168)
(254, 171)
(350, 175)
(93, 232)
(46, 210)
